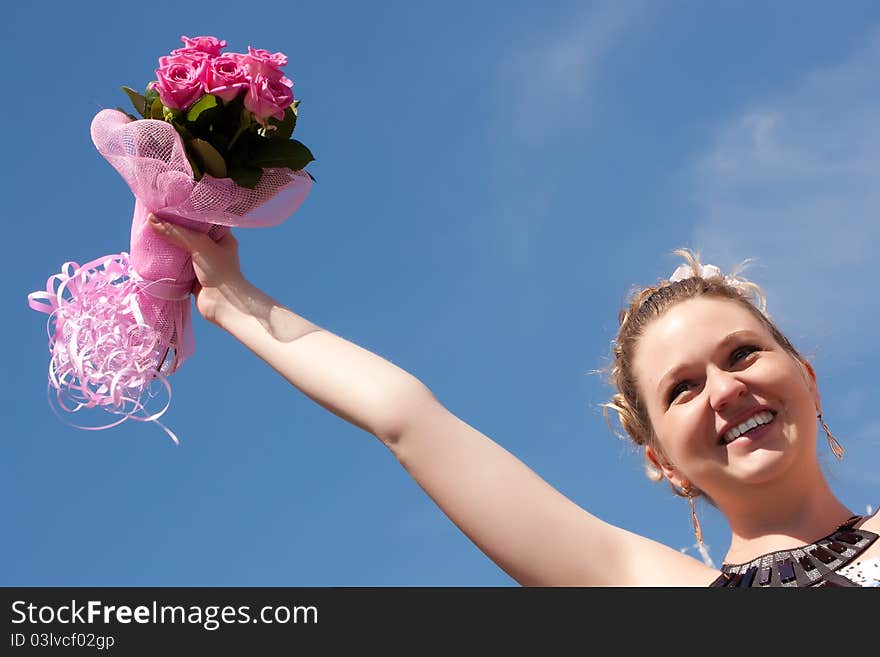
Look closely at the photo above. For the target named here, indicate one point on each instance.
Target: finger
(228, 240)
(188, 240)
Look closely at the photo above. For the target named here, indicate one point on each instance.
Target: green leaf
(157, 109)
(139, 102)
(212, 162)
(246, 176)
(277, 153)
(204, 103)
(197, 172)
(284, 128)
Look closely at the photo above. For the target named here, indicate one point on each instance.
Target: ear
(659, 462)
(811, 382)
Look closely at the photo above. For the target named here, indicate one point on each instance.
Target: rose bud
(208, 45)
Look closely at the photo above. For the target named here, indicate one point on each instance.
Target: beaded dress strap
(810, 565)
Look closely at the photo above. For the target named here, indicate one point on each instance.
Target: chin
(767, 464)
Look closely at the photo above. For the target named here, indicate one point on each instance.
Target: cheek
(681, 430)
(788, 383)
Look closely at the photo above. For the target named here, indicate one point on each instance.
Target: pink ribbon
(103, 353)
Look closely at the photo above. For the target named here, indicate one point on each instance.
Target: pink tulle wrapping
(121, 322)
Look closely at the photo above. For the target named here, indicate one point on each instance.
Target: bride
(719, 401)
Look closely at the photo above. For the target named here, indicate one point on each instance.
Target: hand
(216, 263)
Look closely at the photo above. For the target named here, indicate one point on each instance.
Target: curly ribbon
(103, 353)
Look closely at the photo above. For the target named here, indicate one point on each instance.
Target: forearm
(354, 383)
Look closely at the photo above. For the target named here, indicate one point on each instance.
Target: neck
(790, 516)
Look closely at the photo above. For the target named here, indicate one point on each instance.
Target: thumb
(186, 239)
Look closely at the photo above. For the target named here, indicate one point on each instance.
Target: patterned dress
(830, 561)
(863, 573)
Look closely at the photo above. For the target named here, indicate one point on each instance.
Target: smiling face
(728, 405)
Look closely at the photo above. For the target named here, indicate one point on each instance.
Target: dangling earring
(836, 447)
(698, 531)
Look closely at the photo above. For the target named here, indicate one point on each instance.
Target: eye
(741, 352)
(678, 389)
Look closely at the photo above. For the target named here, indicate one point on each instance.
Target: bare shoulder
(650, 563)
(871, 523)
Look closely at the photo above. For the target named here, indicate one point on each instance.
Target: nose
(725, 388)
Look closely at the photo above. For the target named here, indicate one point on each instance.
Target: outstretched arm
(534, 533)
(355, 384)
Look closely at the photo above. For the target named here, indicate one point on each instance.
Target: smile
(758, 419)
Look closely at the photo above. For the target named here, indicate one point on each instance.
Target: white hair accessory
(706, 271)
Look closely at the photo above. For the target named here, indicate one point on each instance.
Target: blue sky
(492, 179)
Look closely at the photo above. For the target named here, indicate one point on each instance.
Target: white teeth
(759, 418)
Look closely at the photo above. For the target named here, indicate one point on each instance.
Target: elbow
(405, 408)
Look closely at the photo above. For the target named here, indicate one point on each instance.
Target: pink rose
(262, 62)
(208, 45)
(225, 77)
(179, 81)
(267, 97)
(193, 56)
(277, 59)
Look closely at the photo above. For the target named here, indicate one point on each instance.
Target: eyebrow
(673, 373)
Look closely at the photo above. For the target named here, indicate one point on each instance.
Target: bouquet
(210, 149)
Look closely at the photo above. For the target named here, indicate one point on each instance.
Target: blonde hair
(647, 304)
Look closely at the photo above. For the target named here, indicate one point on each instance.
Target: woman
(720, 401)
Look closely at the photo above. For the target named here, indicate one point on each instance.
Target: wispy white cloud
(547, 87)
(794, 181)
(544, 89)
